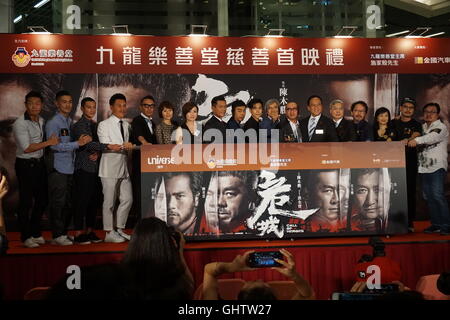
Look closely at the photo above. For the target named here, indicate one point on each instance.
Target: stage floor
(17, 248)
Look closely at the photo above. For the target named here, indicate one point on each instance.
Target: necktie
(299, 134)
(149, 124)
(311, 127)
(336, 124)
(121, 130)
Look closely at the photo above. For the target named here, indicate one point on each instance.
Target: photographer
(254, 290)
(3, 192)
(390, 271)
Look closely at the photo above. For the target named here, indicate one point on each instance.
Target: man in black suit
(143, 130)
(317, 127)
(238, 114)
(219, 108)
(290, 128)
(344, 128)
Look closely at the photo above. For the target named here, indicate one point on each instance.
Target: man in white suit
(113, 169)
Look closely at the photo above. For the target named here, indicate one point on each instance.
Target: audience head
(256, 290)
(443, 283)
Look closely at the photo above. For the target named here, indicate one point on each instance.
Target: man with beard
(228, 200)
(368, 191)
(182, 197)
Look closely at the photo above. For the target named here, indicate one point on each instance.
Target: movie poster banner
(250, 191)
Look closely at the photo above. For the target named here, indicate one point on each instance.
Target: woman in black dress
(382, 129)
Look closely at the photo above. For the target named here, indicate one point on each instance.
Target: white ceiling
(426, 8)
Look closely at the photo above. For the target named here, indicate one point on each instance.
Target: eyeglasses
(145, 105)
(430, 112)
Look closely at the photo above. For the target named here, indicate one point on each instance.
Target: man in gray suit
(113, 169)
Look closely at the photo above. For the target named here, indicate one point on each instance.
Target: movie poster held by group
(327, 191)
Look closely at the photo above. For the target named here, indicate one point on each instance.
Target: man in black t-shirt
(406, 128)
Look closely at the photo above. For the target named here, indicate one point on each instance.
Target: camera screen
(265, 259)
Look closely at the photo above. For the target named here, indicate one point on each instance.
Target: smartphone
(351, 296)
(384, 288)
(264, 259)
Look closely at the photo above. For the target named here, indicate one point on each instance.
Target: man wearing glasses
(405, 129)
(143, 131)
(433, 168)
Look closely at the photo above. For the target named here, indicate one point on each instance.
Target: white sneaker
(123, 234)
(29, 243)
(38, 240)
(113, 236)
(62, 241)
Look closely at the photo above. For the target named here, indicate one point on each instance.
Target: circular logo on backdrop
(211, 163)
(21, 58)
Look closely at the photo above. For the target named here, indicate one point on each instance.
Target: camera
(264, 259)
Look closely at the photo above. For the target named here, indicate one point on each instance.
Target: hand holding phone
(264, 259)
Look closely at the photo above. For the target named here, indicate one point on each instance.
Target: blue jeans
(434, 194)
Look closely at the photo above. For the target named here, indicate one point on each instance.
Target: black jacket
(214, 123)
(139, 127)
(325, 130)
(346, 131)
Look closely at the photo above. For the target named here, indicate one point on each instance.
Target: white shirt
(113, 165)
(149, 123)
(294, 127)
(336, 123)
(434, 154)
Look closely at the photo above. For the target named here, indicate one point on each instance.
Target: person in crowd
(317, 127)
(229, 198)
(86, 183)
(359, 110)
(255, 126)
(165, 128)
(183, 190)
(255, 290)
(3, 192)
(290, 128)
(113, 169)
(190, 130)
(389, 268)
(433, 167)
(219, 109)
(143, 132)
(238, 108)
(30, 168)
(325, 193)
(382, 128)
(272, 111)
(61, 167)
(156, 262)
(405, 129)
(344, 128)
(368, 199)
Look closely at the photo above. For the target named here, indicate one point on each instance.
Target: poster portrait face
(227, 197)
(367, 192)
(182, 202)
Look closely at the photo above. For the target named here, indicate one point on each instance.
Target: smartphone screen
(264, 259)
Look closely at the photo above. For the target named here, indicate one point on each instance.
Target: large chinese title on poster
(247, 191)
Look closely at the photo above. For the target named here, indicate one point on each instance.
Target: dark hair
(377, 247)
(187, 107)
(165, 105)
(218, 98)
(34, 94)
(432, 104)
(87, 99)
(364, 104)
(154, 259)
(147, 97)
(61, 93)
(235, 104)
(254, 101)
(117, 96)
(195, 180)
(312, 97)
(409, 100)
(376, 125)
(257, 293)
(443, 283)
